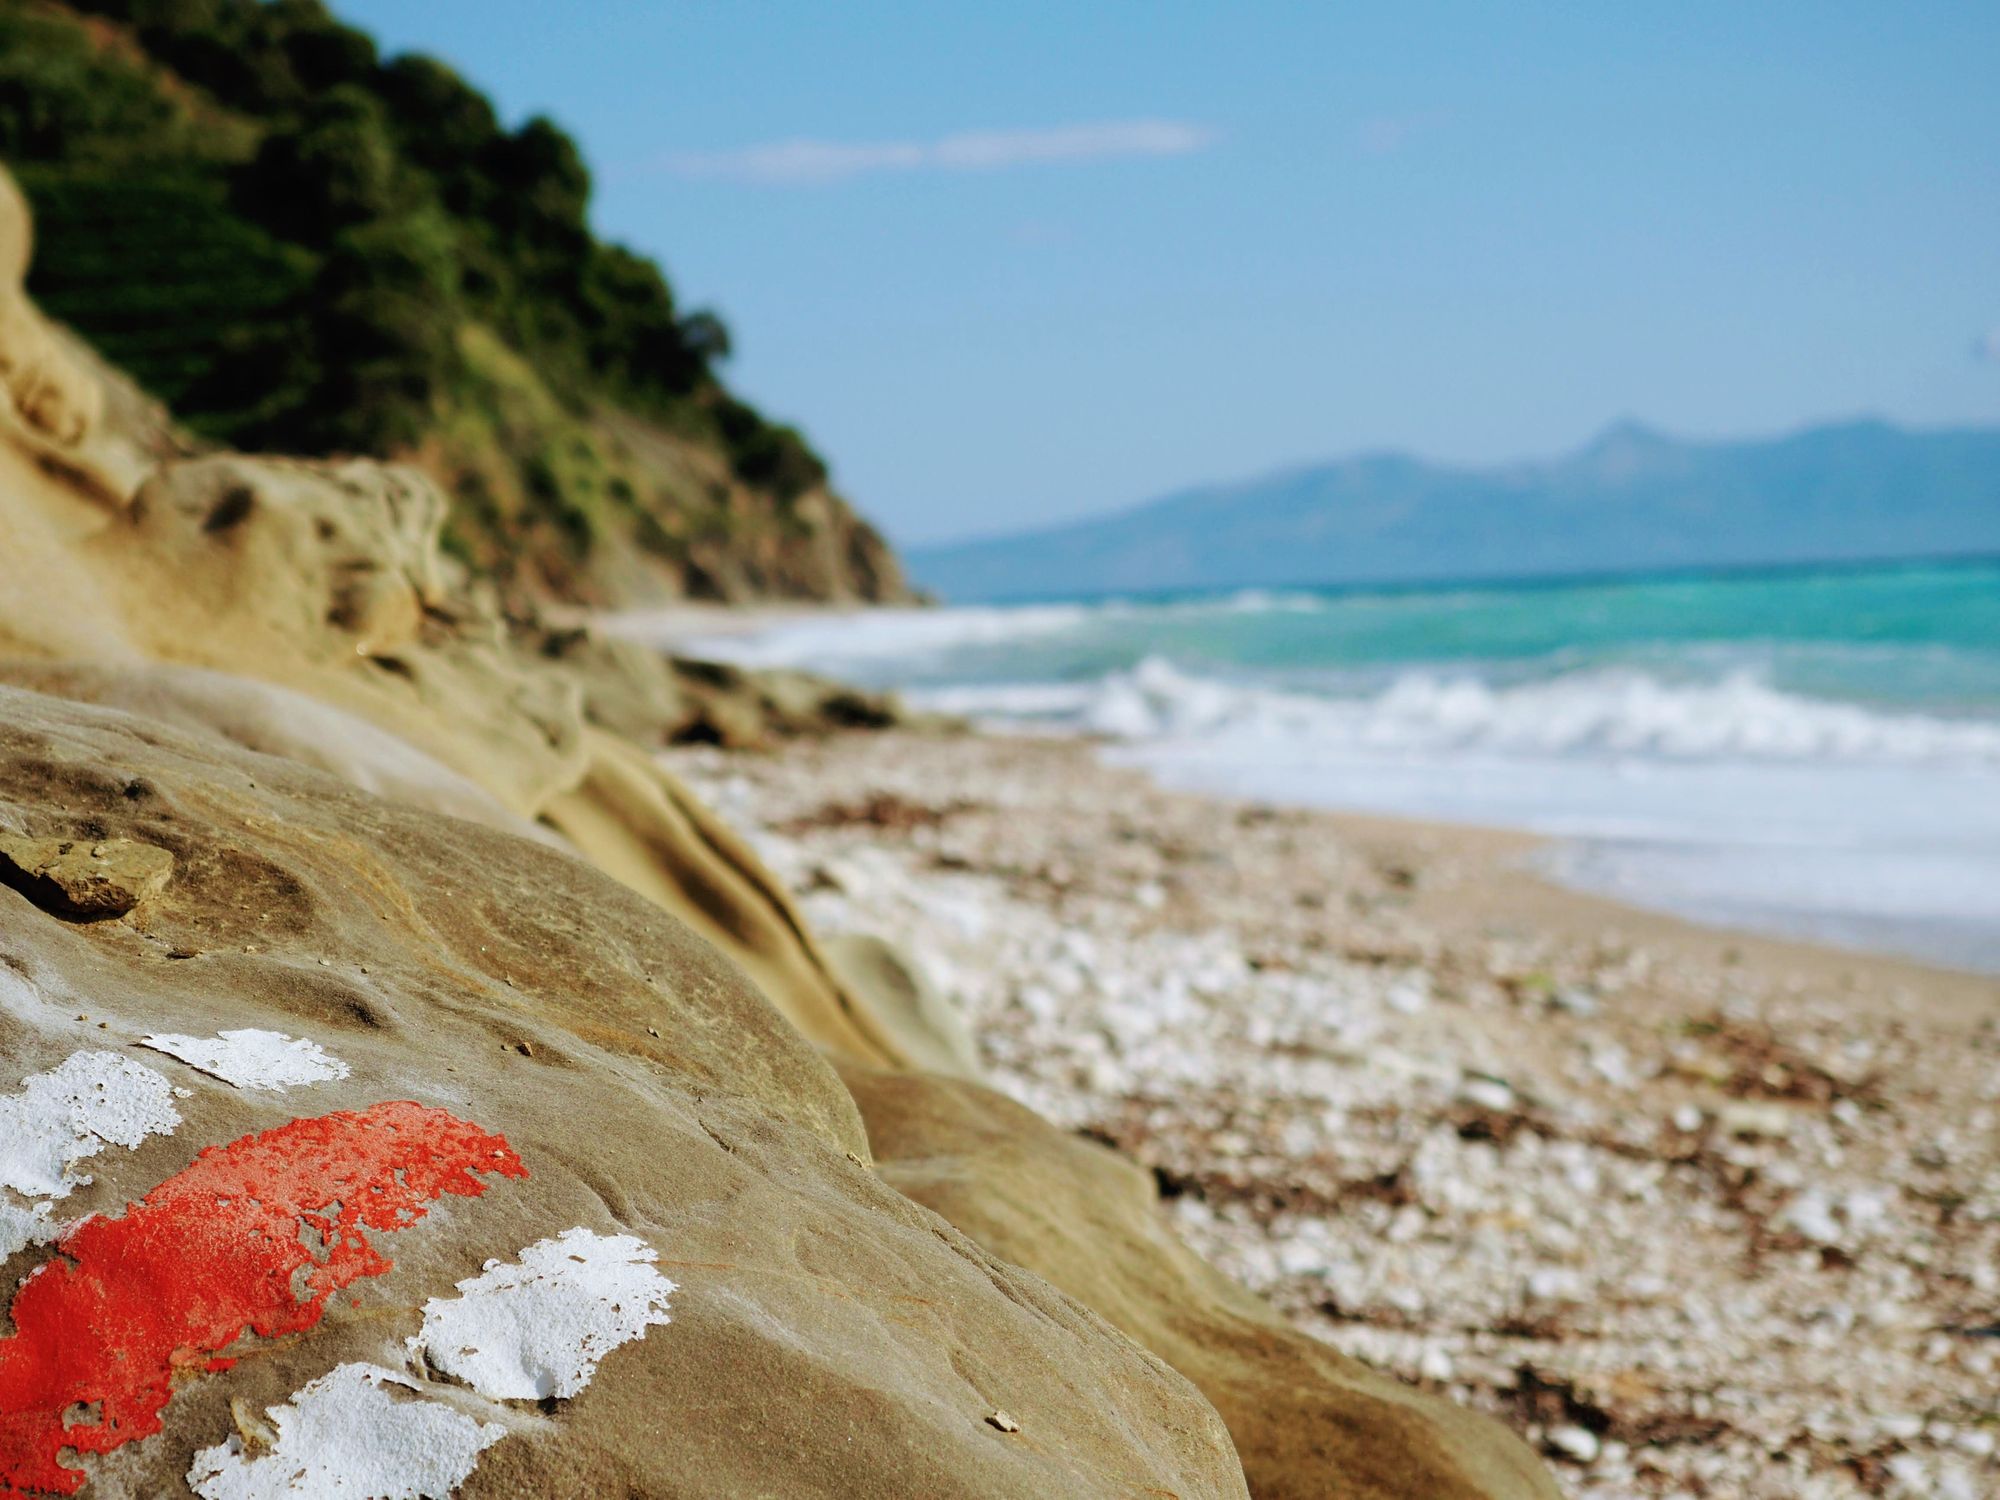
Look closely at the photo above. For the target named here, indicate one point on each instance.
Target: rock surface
(827, 1336)
(1307, 1420)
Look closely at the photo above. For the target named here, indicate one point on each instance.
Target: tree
(325, 55)
(707, 336)
(541, 187)
(442, 123)
(384, 331)
(333, 169)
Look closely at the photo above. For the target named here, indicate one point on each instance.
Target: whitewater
(1814, 754)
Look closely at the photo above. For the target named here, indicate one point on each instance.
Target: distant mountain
(1634, 499)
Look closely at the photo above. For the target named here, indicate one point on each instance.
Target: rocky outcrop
(652, 699)
(326, 579)
(1307, 1420)
(624, 1086)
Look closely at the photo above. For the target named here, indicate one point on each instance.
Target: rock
(927, 1027)
(1409, 997)
(1578, 1443)
(653, 698)
(827, 1336)
(1307, 1420)
(1575, 1001)
(327, 580)
(1487, 1094)
(1752, 1121)
(82, 878)
(274, 720)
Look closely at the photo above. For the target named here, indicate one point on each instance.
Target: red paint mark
(257, 1234)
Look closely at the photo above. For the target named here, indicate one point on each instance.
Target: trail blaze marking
(343, 1435)
(65, 1116)
(539, 1327)
(252, 1059)
(128, 1302)
(71, 1112)
(516, 1332)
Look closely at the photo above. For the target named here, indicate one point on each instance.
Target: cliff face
(302, 247)
(610, 506)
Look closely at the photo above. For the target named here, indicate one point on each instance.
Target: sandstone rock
(83, 878)
(327, 580)
(1307, 1421)
(274, 720)
(59, 402)
(653, 699)
(928, 1028)
(827, 1336)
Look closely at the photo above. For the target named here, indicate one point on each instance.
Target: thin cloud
(1987, 345)
(810, 161)
(1384, 135)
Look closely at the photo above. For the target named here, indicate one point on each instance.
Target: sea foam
(1614, 713)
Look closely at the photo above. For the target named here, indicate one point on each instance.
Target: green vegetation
(300, 246)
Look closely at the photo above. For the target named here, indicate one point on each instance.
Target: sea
(1813, 753)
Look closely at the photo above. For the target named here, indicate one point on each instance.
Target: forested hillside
(302, 246)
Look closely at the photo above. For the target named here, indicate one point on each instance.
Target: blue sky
(1010, 263)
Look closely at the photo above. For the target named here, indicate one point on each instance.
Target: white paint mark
(251, 1059)
(342, 1437)
(22, 1227)
(73, 1111)
(522, 1332)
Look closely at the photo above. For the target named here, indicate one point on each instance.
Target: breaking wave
(1602, 713)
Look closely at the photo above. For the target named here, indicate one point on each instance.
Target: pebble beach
(1699, 1213)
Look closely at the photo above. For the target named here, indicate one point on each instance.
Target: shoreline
(1540, 895)
(1520, 889)
(1725, 802)
(1697, 1211)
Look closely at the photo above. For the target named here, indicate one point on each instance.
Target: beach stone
(1574, 1000)
(1754, 1121)
(1488, 1094)
(1578, 1443)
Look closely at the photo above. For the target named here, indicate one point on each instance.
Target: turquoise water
(1806, 752)
(1913, 638)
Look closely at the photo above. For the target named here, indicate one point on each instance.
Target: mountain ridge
(1633, 498)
